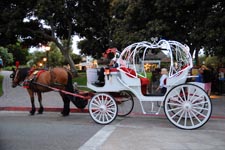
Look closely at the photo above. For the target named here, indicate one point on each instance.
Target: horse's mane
(23, 73)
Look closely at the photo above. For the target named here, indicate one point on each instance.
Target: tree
(41, 21)
(93, 18)
(113, 23)
(6, 56)
(19, 53)
(197, 24)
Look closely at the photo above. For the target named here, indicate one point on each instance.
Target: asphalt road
(50, 131)
(18, 131)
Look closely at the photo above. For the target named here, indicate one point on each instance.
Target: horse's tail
(78, 102)
(69, 85)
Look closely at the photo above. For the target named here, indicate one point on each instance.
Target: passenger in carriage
(113, 63)
(162, 80)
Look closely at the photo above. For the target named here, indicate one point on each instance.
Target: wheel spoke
(111, 111)
(110, 105)
(192, 96)
(174, 104)
(184, 95)
(196, 117)
(185, 118)
(176, 114)
(192, 123)
(101, 117)
(108, 115)
(199, 113)
(97, 101)
(198, 103)
(173, 109)
(201, 108)
(107, 102)
(197, 98)
(96, 113)
(180, 117)
(180, 98)
(96, 105)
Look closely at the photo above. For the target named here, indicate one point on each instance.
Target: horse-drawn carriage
(186, 104)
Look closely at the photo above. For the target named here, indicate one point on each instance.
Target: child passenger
(162, 84)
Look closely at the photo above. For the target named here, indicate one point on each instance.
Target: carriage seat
(113, 70)
(144, 81)
(144, 84)
(129, 72)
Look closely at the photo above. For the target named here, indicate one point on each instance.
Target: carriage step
(154, 94)
(99, 84)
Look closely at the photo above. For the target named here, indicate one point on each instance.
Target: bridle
(16, 81)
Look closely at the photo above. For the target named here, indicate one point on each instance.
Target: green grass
(1, 80)
(81, 80)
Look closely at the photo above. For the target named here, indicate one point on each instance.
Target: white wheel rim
(103, 108)
(190, 111)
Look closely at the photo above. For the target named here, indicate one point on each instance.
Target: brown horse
(34, 80)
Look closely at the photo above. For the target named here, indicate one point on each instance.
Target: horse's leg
(66, 108)
(33, 109)
(41, 109)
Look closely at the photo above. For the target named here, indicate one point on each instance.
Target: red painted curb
(45, 109)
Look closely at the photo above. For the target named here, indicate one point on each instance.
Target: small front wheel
(125, 103)
(187, 106)
(103, 108)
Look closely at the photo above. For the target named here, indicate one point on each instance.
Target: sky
(74, 46)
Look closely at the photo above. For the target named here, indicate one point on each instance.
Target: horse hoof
(40, 111)
(32, 112)
(64, 114)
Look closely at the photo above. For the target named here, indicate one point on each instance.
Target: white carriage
(186, 104)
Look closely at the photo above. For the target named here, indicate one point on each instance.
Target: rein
(62, 91)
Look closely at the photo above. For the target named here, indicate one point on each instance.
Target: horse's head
(18, 76)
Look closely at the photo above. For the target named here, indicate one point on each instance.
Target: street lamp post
(47, 49)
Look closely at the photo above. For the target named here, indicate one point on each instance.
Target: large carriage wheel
(103, 108)
(187, 106)
(125, 103)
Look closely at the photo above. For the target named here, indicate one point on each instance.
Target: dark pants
(163, 90)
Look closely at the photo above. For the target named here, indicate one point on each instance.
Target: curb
(48, 109)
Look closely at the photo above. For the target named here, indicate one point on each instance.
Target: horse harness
(31, 83)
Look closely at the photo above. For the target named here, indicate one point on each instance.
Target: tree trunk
(71, 63)
(196, 57)
(65, 52)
